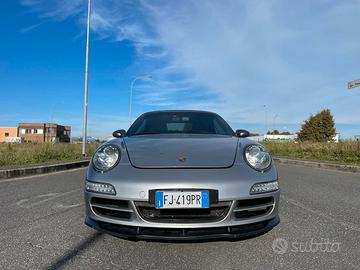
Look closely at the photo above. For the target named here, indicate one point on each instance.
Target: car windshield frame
(189, 118)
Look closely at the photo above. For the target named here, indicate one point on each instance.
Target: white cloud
(59, 10)
(235, 56)
(252, 53)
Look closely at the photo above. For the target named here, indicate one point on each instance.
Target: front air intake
(118, 209)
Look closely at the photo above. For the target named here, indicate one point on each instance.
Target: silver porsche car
(181, 175)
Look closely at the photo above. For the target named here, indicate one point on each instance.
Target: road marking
(21, 202)
(39, 175)
(61, 206)
(350, 225)
(49, 197)
(46, 195)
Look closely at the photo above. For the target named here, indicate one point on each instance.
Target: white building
(14, 140)
(270, 137)
(279, 137)
(336, 138)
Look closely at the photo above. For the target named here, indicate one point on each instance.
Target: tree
(277, 132)
(318, 128)
(274, 132)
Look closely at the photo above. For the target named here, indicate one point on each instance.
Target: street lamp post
(86, 81)
(145, 77)
(275, 116)
(354, 84)
(266, 120)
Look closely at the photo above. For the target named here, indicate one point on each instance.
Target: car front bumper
(243, 217)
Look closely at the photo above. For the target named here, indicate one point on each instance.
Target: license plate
(181, 199)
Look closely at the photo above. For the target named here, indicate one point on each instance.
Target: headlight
(100, 188)
(257, 157)
(106, 157)
(264, 187)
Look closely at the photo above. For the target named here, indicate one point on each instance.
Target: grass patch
(345, 151)
(35, 153)
(32, 153)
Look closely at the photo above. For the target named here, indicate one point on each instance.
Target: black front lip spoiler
(173, 234)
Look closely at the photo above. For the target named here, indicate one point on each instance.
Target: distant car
(181, 175)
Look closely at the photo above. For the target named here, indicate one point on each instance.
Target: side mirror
(119, 133)
(242, 133)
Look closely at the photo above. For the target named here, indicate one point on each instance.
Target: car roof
(178, 111)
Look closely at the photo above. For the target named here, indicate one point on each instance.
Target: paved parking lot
(42, 228)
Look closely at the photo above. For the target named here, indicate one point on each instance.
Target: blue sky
(231, 57)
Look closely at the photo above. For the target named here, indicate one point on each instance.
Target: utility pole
(86, 81)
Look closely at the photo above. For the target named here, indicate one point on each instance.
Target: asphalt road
(41, 227)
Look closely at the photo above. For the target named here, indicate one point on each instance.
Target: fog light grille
(251, 208)
(118, 209)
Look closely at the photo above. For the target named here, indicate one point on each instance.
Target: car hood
(181, 151)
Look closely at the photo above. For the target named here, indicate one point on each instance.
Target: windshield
(180, 122)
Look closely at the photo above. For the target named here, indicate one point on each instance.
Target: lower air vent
(252, 208)
(118, 209)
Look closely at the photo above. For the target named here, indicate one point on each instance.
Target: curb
(19, 172)
(319, 164)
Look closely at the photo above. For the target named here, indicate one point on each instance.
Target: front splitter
(181, 234)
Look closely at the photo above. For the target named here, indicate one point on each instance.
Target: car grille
(251, 208)
(215, 212)
(117, 209)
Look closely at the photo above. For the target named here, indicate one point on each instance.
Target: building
(280, 137)
(270, 137)
(44, 132)
(285, 138)
(336, 137)
(8, 132)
